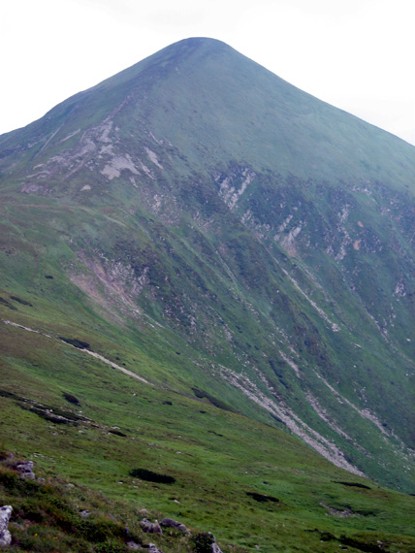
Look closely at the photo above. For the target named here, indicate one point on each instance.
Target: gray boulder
(25, 469)
(152, 548)
(170, 523)
(151, 527)
(216, 548)
(133, 546)
(5, 536)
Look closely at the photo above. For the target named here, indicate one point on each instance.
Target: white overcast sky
(355, 54)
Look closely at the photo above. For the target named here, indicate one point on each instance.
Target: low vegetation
(202, 270)
(139, 451)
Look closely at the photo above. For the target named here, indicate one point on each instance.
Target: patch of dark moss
(262, 498)
(353, 484)
(117, 432)
(367, 547)
(11, 395)
(7, 304)
(21, 301)
(202, 394)
(327, 536)
(80, 344)
(324, 536)
(150, 476)
(70, 398)
(203, 542)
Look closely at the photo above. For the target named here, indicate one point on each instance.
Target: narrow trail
(115, 366)
(84, 350)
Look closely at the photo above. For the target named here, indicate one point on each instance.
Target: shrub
(151, 476)
(202, 543)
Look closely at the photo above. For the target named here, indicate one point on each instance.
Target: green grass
(232, 291)
(207, 450)
(159, 275)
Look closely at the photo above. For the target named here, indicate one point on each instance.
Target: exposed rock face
(133, 546)
(151, 527)
(170, 523)
(5, 536)
(25, 469)
(152, 548)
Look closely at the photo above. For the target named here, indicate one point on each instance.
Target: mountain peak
(199, 93)
(200, 42)
(231, 245)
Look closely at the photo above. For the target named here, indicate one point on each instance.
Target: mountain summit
(215, 105)
(213, 232)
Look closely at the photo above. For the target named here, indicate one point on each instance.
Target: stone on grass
(151, 527)
(5, 536)
(25, 469)
(170, 523)
(152, 548)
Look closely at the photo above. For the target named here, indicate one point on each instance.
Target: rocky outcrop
(170, 523)
(133, 546)
(25, 469)
(151, 527)
(152, 548)
(5, 536)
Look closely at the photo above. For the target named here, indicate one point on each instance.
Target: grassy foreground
(253, 486)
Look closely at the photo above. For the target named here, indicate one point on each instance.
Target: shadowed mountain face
(253, 243)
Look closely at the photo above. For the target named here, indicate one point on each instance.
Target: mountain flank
(207, 258)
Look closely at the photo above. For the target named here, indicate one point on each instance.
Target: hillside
(207, 258)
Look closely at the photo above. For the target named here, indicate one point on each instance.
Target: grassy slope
(181, 361)
(208, 450)
(38, 240)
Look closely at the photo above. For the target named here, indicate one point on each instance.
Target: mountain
(208, 258)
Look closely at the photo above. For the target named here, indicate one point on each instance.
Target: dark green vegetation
(195, 257)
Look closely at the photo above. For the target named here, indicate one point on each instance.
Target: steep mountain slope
(202, 468)
(250, 245)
